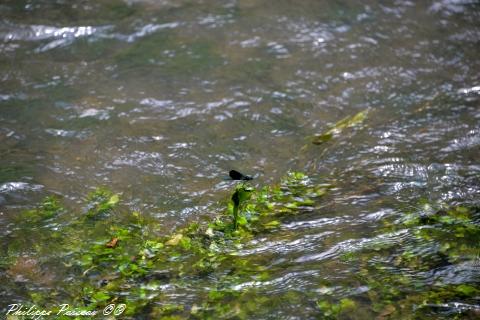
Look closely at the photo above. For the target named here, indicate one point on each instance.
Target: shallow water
(159, 99)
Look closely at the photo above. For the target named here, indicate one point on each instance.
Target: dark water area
(158, 100)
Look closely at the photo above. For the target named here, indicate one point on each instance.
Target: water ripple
(10, 187)
(41, 32)
(306, 243)
(142, 32)
(151, 162)
(352, 245)
(64, 36)
(58, 36)
(469, 141)
(450, 6)
(288, 281)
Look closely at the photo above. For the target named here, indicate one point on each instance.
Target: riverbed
(157, 100)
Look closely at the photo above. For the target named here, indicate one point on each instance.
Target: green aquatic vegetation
(34, 228)
(235, 304)
(349, 256)
(341, 125)
(254, 210)
(454, 229)
(397, 275)
(122, 261)
(444, 238)
(241, 194)
(168, 311)
(49, 208)
(128, 258)
(101, 201)
(209, 257)
(333, 310)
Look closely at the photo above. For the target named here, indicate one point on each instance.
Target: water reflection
(159, 99)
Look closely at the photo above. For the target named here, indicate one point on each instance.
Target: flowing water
(159, 99)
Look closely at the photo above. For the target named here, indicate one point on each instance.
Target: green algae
(206, 255)
(101, 201)
(395, 289)
(337, 128)
(131, 271)
(49, 208)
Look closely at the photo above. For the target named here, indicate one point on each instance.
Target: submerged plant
(338, 127)
(124, 259)
(49, 208)
(100, 201)
(241, 194)
(119, 260)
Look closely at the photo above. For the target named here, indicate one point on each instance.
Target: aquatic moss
(206, 255)
(396, 289)
(101, 201)
(49, 208)
(131, 270)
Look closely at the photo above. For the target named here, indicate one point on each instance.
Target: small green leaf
(113, 200)
(347, 304)
(100, 296)
(338, 127)
(174, 240)
(466, 290)
(186, 243)
(242, 221)
(215, 295)
(272, 224)
(322, 138)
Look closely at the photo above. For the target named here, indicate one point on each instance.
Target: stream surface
(158, 100)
